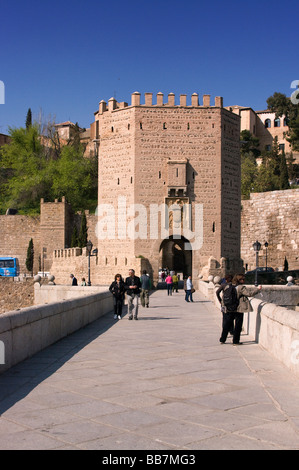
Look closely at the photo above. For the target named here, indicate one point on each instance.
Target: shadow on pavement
(21, 379)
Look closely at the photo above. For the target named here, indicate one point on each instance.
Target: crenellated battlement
(159, 102)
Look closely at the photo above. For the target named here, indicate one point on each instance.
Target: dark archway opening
(175, 257)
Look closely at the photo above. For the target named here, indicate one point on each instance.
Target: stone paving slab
(163, 382)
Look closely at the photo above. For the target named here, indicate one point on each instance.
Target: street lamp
(256, 246)
(89, 246)
(266, 246)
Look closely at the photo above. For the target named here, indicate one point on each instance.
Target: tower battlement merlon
(136, 100)
(148, 97)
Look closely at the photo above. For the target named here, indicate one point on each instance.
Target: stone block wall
(16, 232)
(272, 217)
(50, 231)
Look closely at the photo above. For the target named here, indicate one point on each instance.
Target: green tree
(34, 167)
(30, 256)
(266, 180)
(282, 105)
(27, 177)
(249, 172)
(83, 231)
(272, 173)
(283, 173)
(74, 239)
(73, 178)
(249, 143)
(29, 119)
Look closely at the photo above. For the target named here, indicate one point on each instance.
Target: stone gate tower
(168, 167)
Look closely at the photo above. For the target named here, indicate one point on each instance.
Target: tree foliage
(30, 256)
(83, 232)
(34, 167)
(283, 106)
(272, 173)
(29, 119)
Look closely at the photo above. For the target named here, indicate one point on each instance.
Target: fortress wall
(272, 217)
(16, 232)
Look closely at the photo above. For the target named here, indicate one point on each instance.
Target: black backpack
(230, 298)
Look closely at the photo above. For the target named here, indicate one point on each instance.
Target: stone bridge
(163, 382)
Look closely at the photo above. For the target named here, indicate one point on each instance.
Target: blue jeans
(169, 289)
(188, 295)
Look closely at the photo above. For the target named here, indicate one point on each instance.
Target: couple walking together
(234, 303)
(134, 287)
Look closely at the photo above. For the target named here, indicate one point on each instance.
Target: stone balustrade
(25, 332)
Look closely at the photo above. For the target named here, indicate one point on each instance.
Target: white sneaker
(119, 317)
(115, 317)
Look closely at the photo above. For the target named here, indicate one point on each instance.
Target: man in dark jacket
(228, 318)
(145, 288)
(132, 287)
(74, 280)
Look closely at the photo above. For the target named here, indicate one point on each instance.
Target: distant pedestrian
(290, 280)
(169, 283)
(175, 282)
(83, 283)
(163, 276)
(132, 287)
(117, 288)
(145, 289)
(74, 280)
(189, 289)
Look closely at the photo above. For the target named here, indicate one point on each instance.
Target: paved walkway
(163, 382)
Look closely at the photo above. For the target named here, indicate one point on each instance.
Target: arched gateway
(175, 257)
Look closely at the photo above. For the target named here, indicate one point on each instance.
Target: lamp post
(89, 246)
(266, 246)
(256, 247)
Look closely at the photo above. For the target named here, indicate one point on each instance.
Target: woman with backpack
(243, 293)
(228, 306)
(234, 302)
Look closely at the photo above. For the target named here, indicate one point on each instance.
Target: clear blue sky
(60, 58)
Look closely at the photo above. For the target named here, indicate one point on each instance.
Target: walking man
(145, 288)
(189, 289)
(74, 280)
(132, 287)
